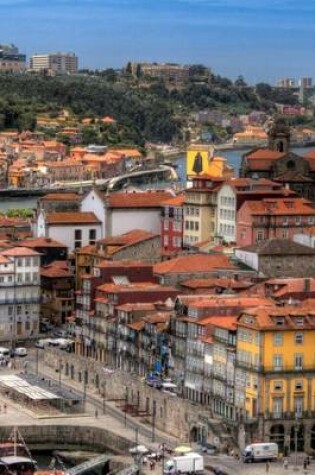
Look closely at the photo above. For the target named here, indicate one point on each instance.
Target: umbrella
(183, 449)
(139, 449)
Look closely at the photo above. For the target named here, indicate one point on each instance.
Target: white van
(20, 351)
(43, 343)
(259, 452)
(4, 351)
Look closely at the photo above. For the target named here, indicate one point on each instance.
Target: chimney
(307, 285)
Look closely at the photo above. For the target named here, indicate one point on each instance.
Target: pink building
(276, 218)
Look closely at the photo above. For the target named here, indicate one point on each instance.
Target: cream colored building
(200, 210)
(55, 62)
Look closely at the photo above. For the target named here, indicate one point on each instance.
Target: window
(1, 279)
(298, 385)
(285, 220)
(298, 361)
(278, 339)
(196, 226)
(260, 235)
(10, 310)
(278, 386)
(165, 241)
(186, 224)
(19, 277)
(92, 236)
(20, 262)
(277, 407)
(299, 321)
(18, 310)
(285, 234)
(27, 277)
(77, 238)
(297, 219)
(298, 406)
(277, 362)
(299, 338)
(166, 224)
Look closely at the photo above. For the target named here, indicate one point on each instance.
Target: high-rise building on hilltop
(62, 63)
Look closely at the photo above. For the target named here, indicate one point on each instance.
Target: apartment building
(275, 375)
(200, 210)
(19, 293)
(172, 224)
(55, 62)
(11, 59)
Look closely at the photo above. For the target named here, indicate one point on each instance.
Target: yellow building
(275, 373)
(200, 160)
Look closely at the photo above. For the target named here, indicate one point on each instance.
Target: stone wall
(287, 266)
(69, 437)
(173, 416)
(148, 249)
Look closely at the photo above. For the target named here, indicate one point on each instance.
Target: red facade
(172, 225)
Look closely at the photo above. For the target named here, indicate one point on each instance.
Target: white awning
(23, 387)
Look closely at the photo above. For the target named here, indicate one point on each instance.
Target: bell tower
(279, 134)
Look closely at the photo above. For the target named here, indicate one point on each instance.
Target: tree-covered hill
(149, 111)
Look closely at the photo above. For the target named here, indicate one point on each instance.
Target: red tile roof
(20, 251)
(40, 242)
(127, 239)
(176, 201)
(280, 206)
(55, 272)
(149, 199)
(193, 263)
(61, 197)
(264, 154)
(70, 218)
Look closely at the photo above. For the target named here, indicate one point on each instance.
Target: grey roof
(279, 247)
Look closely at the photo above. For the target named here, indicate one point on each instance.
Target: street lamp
(295, 441)
(104, 397)
(59, 371)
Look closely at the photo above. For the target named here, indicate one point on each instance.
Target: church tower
(278, 133)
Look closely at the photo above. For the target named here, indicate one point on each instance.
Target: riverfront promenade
(120, 426)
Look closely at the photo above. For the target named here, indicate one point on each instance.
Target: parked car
(45, 327)
(20, 351)
(207, 448)
(43, 343)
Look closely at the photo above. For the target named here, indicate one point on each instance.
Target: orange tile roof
(216, 282)
(228, 322)
(70, 218)
(280, 206)
(123, 263)
(149, 199)
(230, 301)
(135, 287)
(127, 239)
(191, 263)
(129, 307)
(20, 251)
(266, 318)
(178, 200)
(264, 153)
(40, 242)
(61, 197)
(55, 272)
(4, 260)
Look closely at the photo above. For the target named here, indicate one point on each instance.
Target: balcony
(248, 365)
(16, 301)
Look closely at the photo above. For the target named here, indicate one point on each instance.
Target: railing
(20, 301)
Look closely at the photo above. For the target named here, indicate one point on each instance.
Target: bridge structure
(101, 462)
(161, 173)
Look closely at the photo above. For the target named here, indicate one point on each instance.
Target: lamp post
(295, 441)
(153, 421)
(59, 371)
(126, 402)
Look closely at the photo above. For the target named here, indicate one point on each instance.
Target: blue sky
(260, 39)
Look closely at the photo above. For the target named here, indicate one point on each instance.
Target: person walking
(267, 466)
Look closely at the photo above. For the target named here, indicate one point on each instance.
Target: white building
(226, 213)
(73, 229)
(19, 293)
(123, 212)
(56, 62)
(307, 237)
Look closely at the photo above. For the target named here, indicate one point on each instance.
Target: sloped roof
(70, 218)
(149, 199)
(279, 247)
(193, 263)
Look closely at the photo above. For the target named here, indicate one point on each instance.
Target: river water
(233, 157)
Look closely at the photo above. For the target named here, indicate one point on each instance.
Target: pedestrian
(5, 408)
(308, 460)
(285, 464)
(267, 466)
(96, 413)
(305, 464)
(145, 461)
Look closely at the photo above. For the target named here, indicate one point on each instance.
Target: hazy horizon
(261, 40)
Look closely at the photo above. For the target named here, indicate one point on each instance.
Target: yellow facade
(200, 160)
(279, 362)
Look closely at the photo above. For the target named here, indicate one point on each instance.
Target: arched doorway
(299, 438)
(277, 435)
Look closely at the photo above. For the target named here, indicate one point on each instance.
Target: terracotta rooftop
(70, 218)
(123, 263)
(193, 263)
(149, 199)
(274, 247)
(228, 322)
(60, 197)
(135, 287)
(20, 251)
(132, 237)
(280, 206)
(216, 282)
(55, 272)
(40, 242)
(279, 318)
(230, 301)
(176, 201)
(129, 307)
